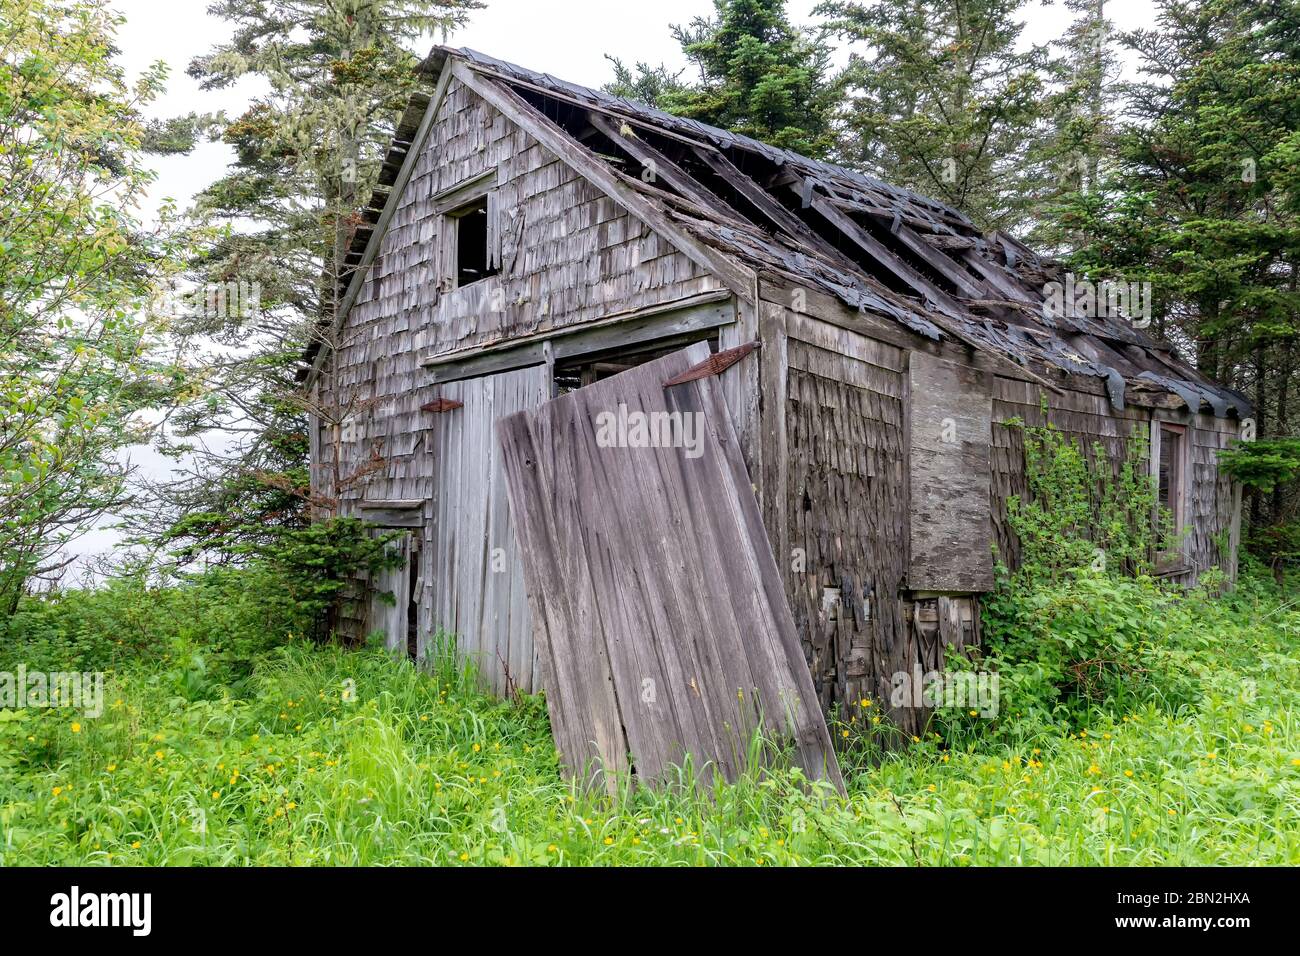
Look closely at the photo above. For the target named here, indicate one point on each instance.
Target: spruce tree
(756, 74)
(938, 97)
(1202, 201)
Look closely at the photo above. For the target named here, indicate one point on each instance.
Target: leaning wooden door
(658, 610)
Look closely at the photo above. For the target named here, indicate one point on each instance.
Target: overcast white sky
(567, 38)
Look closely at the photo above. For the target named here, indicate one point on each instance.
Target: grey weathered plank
(658, 608)
(950, 530)
(389, 598)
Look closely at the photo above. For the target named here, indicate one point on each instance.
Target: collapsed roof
(878, 248)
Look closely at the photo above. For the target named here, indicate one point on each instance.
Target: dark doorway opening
(413, 578)
(593, 367)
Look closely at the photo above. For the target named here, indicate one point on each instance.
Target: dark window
(472, 259)
(1171, 473)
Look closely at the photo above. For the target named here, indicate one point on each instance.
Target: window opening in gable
(473, 261)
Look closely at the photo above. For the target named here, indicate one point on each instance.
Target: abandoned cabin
(530, 237)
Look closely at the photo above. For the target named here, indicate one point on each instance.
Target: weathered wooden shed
(530, 237)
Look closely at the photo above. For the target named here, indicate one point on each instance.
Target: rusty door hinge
(441, 405)
(714, 364)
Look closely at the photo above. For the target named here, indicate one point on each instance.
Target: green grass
(218, 748)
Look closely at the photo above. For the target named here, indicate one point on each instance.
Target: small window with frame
(1170, 467)
(468, 244)
(472, 246)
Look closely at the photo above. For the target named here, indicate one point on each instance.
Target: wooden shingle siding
(1214, 505)
(569, 254)
(848, 520)
(848, 534)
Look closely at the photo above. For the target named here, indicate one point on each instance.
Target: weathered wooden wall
(846, 528)
(847, 534)
(949, 408)
(1213, 507)
(847, 519)
(1214, 502)
(473, 581)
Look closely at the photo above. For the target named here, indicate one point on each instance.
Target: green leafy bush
(1070, 649)
(314, 566)
(1267, 467)
(1078, 628)
(1082, 510)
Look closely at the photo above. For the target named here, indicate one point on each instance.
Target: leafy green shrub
(1082, 510)
(13, 739)
(314, 566)
(1076, 630)
(1070, 649)
(216, 622)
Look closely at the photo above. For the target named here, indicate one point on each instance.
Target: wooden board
(950, 411)
(390, 597)
(658, 611)
(476, 588)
